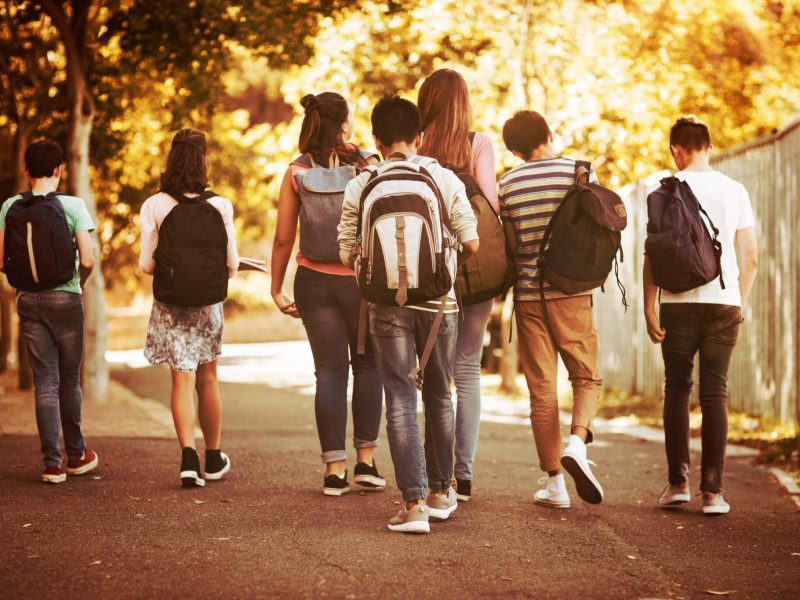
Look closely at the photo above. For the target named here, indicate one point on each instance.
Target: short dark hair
(186, 164)
(395, 119)
(690, 133)
(525, 131)
(42, 158)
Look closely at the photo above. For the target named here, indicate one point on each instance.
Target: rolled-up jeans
(329, 307)
(710, 330)
(52, 324)
(467, 375)
(399, 335)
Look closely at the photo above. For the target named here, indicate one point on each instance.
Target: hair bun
(309, 101)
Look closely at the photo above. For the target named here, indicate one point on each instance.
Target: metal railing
(765, 369)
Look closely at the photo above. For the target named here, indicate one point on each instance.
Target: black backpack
(682, 253)
(39, 248)
(584, 238)
(191, 257)
(490, 272)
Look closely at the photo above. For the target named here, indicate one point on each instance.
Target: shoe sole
(54, 478)
(442, 514)
(221, 473)
(462, 498)
(552, 504)
(716, 510)
(84, 468)
(589, 489)
(673, 502)
(411, 527)
(190, 479)
(370, 481)
(335, 491)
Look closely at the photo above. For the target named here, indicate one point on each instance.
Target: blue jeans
(52, 324)
(399, 335)
(329, 307)
(467, 375)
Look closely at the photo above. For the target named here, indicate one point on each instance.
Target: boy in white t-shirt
(705, 320)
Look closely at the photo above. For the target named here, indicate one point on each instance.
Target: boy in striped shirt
(529, 197)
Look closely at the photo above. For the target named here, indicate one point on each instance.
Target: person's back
(403, 332)
(530, 194)
(704, 320)
(34, 227)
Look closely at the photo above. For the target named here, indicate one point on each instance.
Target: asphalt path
(266, 531)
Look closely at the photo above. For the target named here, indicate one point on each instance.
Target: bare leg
(335, 468)
(183, 407)
(209, 404)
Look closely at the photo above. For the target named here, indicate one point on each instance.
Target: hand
(286, 305)
(654, 329)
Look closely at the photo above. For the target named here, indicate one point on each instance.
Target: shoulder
(71, 202)
(222, 204)
(481, 141)
(9, 201)
(514, 173)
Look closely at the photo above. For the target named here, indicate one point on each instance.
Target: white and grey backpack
(405, 251)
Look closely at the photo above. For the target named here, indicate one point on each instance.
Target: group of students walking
(391, 284)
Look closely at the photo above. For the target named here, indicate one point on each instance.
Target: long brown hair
(321, 132)
(446, 116)
(186, 164)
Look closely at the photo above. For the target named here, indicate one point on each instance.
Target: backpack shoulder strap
(582, 170)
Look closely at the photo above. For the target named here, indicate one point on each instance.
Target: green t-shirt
(78, 220)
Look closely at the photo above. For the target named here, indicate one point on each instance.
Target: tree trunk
(73, 35)
(509, 360)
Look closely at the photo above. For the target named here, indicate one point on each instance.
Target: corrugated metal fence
(765, 372)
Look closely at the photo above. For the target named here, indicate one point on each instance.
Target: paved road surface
(266, 531)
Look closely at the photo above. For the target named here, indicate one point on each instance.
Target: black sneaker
(335, 485)
(463, 489)
(191, 475)
(368, 476)
(217, 464)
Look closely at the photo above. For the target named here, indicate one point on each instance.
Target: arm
(511, 238)
(348, 224)
(650, 289)
(282, 245)
(85, 255)
(2, 246)
(462, 218)
(747, 253)
(484, 169)
(232, 252)
(148, 238)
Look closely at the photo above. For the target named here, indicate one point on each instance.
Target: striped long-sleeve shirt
(529, 196)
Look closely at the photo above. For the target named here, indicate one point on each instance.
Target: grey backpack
(321, 193)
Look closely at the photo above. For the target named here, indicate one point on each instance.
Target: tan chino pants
(575, 339)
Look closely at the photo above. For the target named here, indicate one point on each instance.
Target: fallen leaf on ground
(139, 515)
(631, 556)
(196, 501)
(718, 592)
(97, 477)
(506, 578)
(487, 545)
(222, 539)
(679, 527)
(227, 500)
(795, 553)
(27, 524)
(97, 562)
(134, 497)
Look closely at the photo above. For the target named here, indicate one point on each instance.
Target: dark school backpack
(405, 251)
(39, 248)
(584, 237)
(321, 192)
(490, 272)
(682, 253)
(191, 256)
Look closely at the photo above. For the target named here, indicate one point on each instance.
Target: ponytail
(321, 132)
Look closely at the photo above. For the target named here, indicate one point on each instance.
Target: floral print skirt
(184, 336)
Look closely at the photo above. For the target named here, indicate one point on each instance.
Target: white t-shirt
(728, 204)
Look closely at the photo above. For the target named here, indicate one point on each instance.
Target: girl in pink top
(445, 112)
(188, 338)
(327, 299)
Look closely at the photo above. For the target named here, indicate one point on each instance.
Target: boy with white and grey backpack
(403, 224)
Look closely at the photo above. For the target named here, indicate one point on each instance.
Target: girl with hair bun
(182, 334)
(446, 114)
(326, 295)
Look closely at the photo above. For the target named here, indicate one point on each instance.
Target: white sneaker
(575, 462)
(674, 496)
(411, 521)
(555, 494)
(441, 505)
(715, 504)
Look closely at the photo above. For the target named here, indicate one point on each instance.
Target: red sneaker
(54, 474)
(84, 464)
